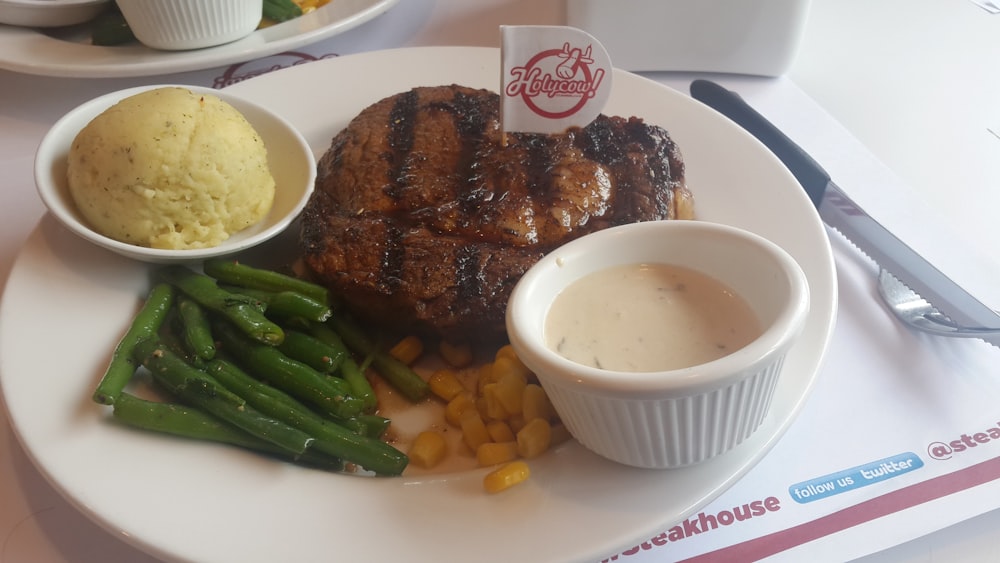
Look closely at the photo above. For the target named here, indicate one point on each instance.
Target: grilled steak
(425, 216)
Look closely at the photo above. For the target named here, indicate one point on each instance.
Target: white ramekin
(669, 418)
(177, 25)
(289, 157)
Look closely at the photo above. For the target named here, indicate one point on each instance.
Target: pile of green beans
(256, 359)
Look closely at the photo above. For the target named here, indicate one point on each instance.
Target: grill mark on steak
(468, 274)
(422, 221)
(401, 123)
(393, 259)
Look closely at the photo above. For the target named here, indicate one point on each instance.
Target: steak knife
(966, 315)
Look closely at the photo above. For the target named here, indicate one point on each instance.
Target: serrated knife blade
(841, 213)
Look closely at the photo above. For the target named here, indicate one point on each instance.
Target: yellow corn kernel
(493, 403)
(428, 449)
(516, 423)
(456, 407)
(481, 407)
(506, 476)
(506, 366)
(500, 431)
(505, 351)
(535, 403)
(509, 391)
(408, 349)
(474, 431)
(485, 377)
(495, 453)
(534, 438)
(445, 384)
(560, 434)
(457, 355)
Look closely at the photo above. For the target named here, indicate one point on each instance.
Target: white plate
(66, 303)
(49, 13)
(68, 52)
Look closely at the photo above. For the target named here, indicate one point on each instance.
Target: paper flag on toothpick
(553, 78)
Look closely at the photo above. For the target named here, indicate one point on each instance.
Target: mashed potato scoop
(169, 168)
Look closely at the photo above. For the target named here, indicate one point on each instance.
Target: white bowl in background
(177, 25)
(290, 160)
(682, 416)
(50, 13)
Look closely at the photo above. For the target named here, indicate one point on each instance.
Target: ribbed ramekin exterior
(671, 432)
(190, 24)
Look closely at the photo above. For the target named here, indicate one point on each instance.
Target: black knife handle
(806, 170)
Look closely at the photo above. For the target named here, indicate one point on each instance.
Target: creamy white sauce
(648, 317)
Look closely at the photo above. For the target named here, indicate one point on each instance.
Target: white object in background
(178, 25)
(289, 157)
(734, 36)
(46, 13)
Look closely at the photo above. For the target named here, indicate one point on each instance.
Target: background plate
(68, 52)
(66, 304)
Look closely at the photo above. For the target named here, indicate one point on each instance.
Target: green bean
(286, 304)
(241, 310)
(374, 425)
(333, 439)
(349, 369)
(145, 324)
(196, 330)
(398, 374)
(235, 273)
(281, 10)
(187, 422)
(312, 351)
(328, 394)
(196, 387)
(110, 28)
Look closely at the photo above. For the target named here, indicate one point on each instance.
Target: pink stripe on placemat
(866, 511)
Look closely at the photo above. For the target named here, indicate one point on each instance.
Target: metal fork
(916, 312)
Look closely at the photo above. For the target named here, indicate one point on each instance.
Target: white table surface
(914, 81)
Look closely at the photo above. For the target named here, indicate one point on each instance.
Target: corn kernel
(485, 377)
(408, 349)
(493, 403)
(516, 423)
(457, 355)
(428, 449)
(456, 407)
(535, 403)
(506, 476)
(509, 390)
(506, 366)
(474, 430)
(534, 438)
(495, 453)
(500, 431)
(505, 351)
(445, 384)
(481, 407)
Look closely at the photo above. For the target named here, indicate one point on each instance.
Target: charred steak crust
(423, 221)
